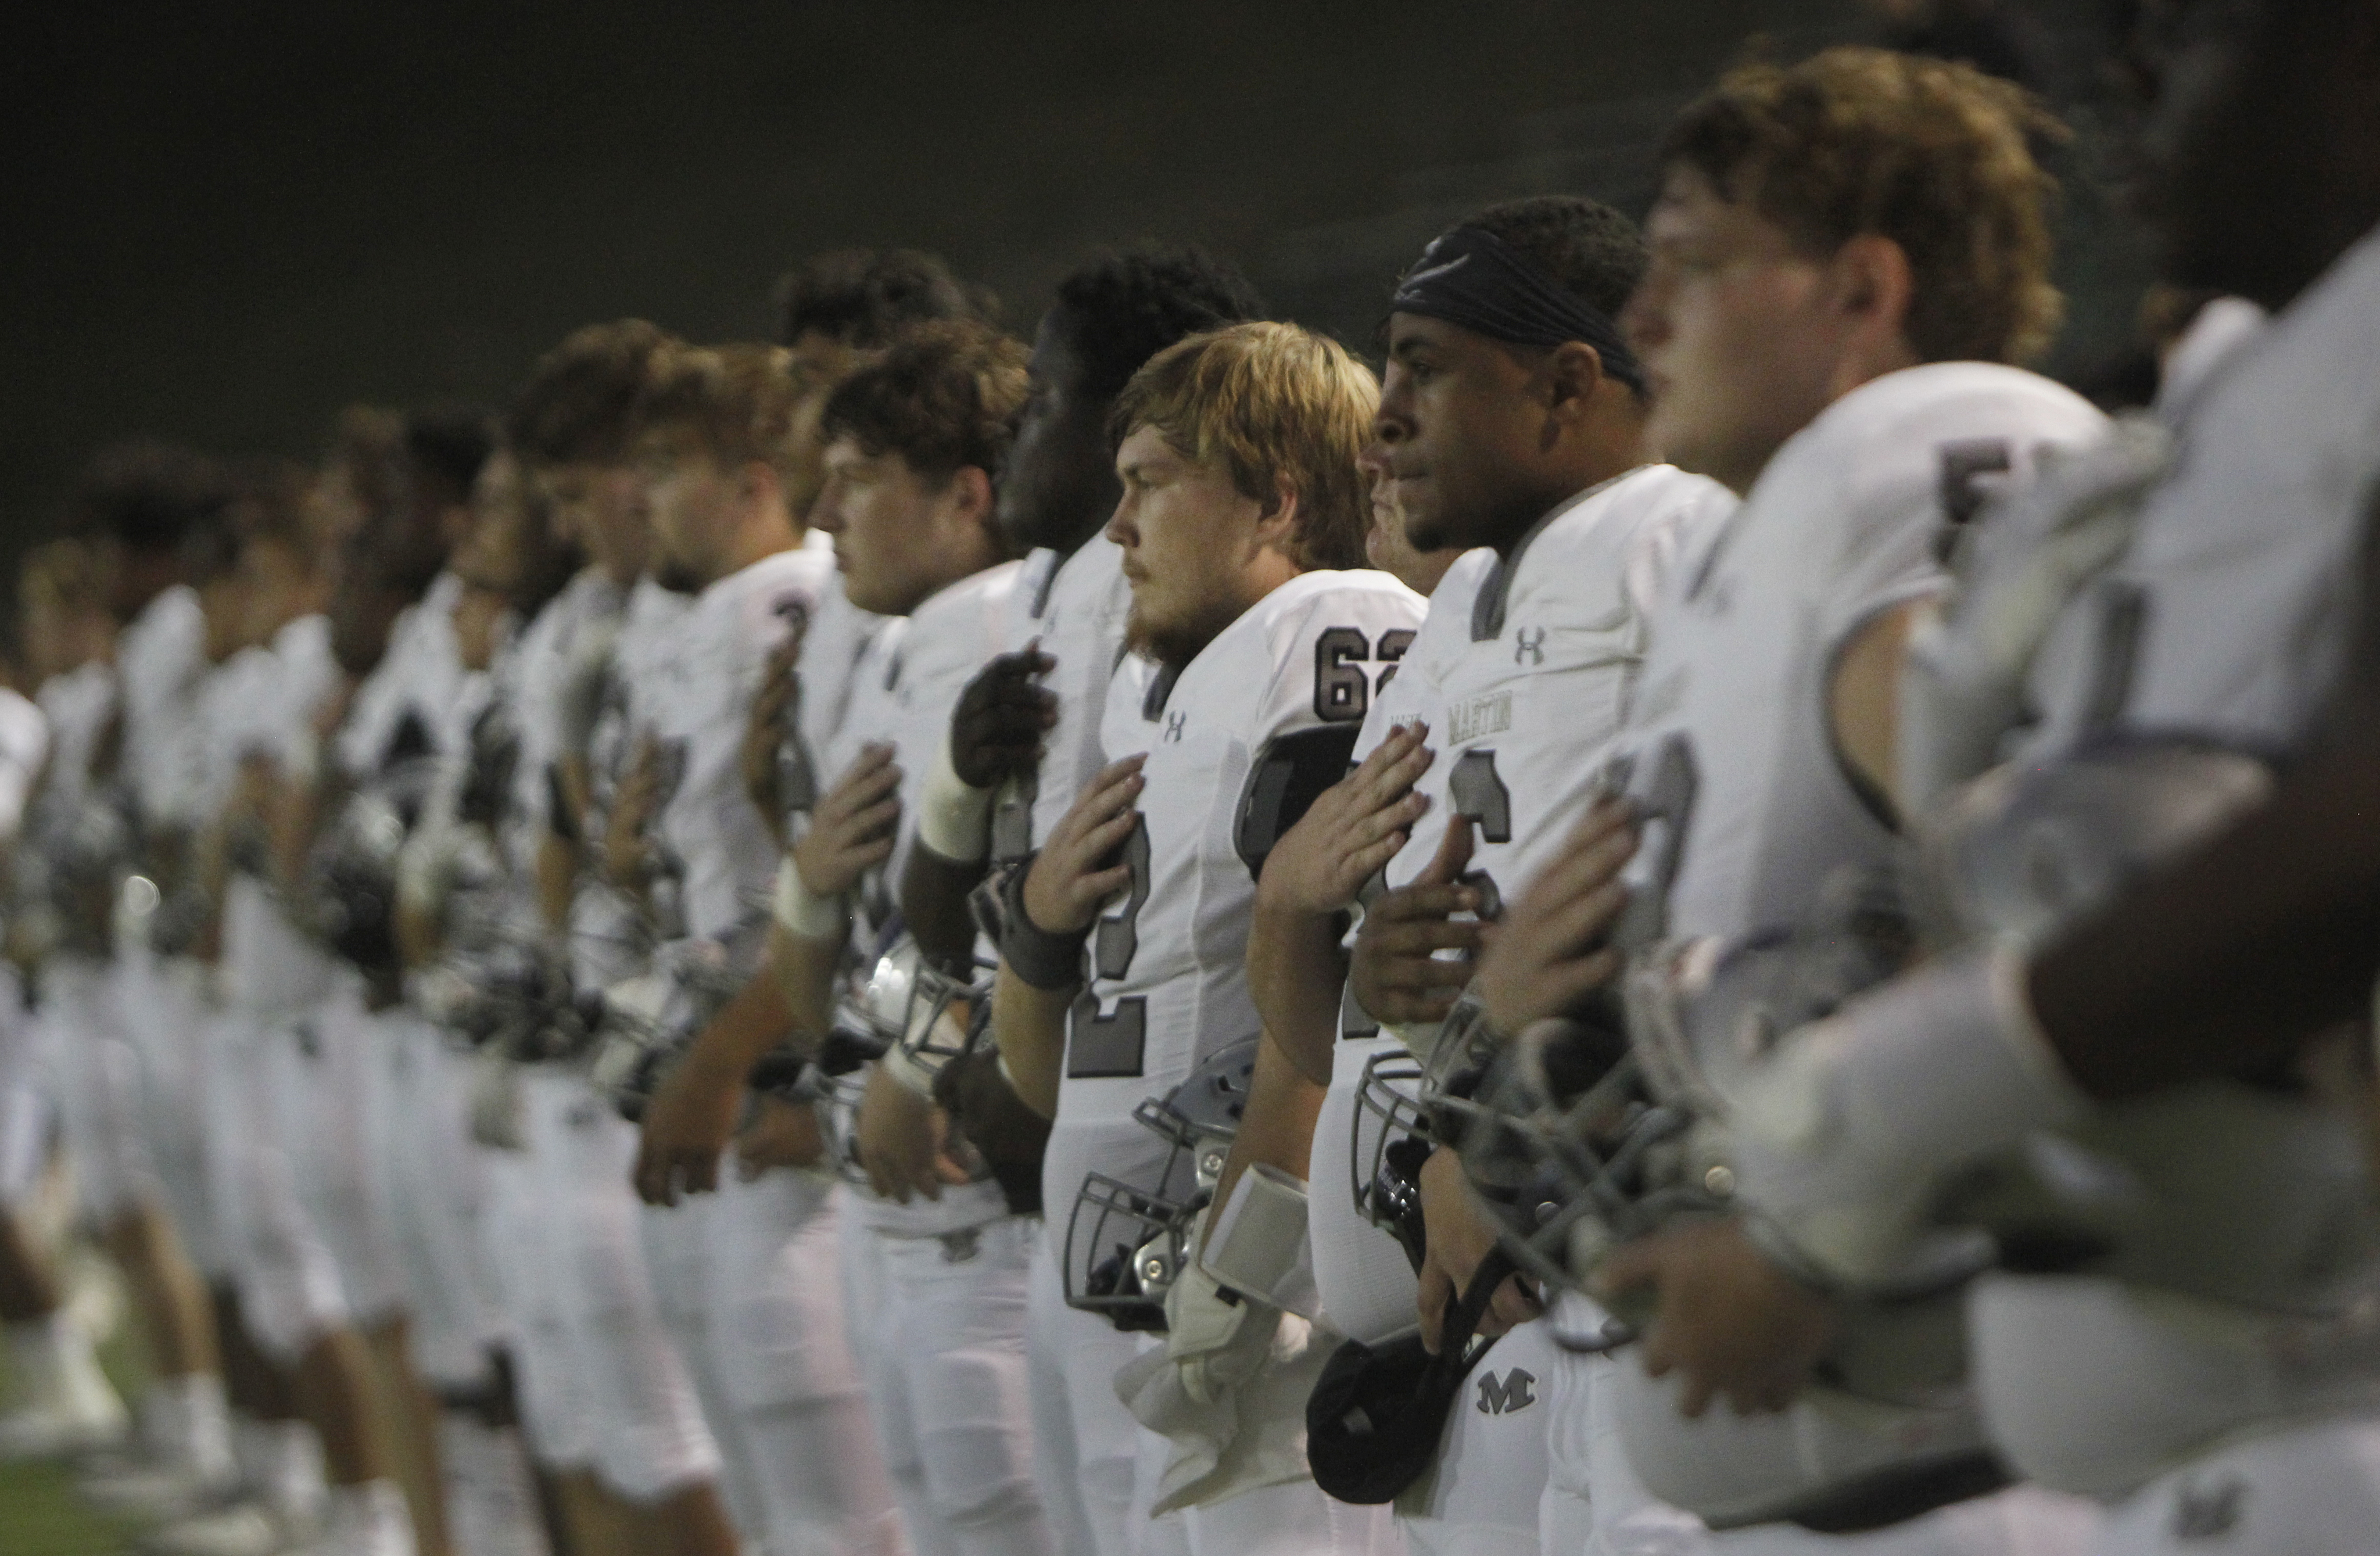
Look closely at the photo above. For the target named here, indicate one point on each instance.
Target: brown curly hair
(1934, 155)
(945, 396)
(579, 404)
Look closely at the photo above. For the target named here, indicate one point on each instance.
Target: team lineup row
(1604, 940)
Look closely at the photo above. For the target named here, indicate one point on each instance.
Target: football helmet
(76, 869)
(1127, 1243)
(905, 1005)
(351, 875)
(1387, 1148)
(643, 1023)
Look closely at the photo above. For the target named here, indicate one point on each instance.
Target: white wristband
(954, 819)
(1257, 1244)
(803, 913)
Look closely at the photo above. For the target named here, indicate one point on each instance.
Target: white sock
(281, 1461)
(57, 1368)
(367, 1520)
(189, 1421)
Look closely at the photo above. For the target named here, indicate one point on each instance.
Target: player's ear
(757, 484)
(1571, 373)
(1874, 288)
(1277, 525)
(970, 495)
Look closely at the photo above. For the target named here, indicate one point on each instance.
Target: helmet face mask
(352, 876)
(896, 1002)
(838, 1105)
(1568, 1172)
(1126, 1244)
(1391, 1138)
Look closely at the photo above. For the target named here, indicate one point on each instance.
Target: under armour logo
(1515, 1391)
(1174, 722)
(2204, 1511)
(1529, 640)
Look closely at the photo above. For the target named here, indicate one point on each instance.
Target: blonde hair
(1269, 403)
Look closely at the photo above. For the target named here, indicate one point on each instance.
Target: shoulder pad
(1288, 776)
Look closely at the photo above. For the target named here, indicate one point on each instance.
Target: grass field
(40, 1514)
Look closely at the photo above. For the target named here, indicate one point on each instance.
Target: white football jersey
(1168, 961)
(161, 658)
(697, 700)
(236, 703)
(1525, 688)
(2230, 615)
(418, 673)
(536, 678)
(261, 702)
(269, 964)
(1075, 609)
(80, 705)
(608, 941)
(1728, 745)
(909, 682)
(24, 743)
(905, 685)
(2243, 1244)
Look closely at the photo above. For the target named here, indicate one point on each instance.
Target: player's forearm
(557, 880)
(802, 969)
(1297, 975)
(1030, 1025)
(745, 1029)
(2227, 961)
(2231, 959)
(1277, 1128)
(934, 896)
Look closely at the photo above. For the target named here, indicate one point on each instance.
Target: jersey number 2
(1111, 1045)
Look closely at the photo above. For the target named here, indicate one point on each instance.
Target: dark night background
(226, 221)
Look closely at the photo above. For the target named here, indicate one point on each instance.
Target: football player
(289, 1161)
(607, 1386)
(571, 425)
(1241, 498)
(260, 585)
(934, 1280)
(2230, 574)
(1511, 420)
(66, 1403)
(137, 509)
(66, 633)
(749, 1278)
(1846, 254)
(1023, 737)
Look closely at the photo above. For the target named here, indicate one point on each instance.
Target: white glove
(1216, 1344)
(1227, 1391)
